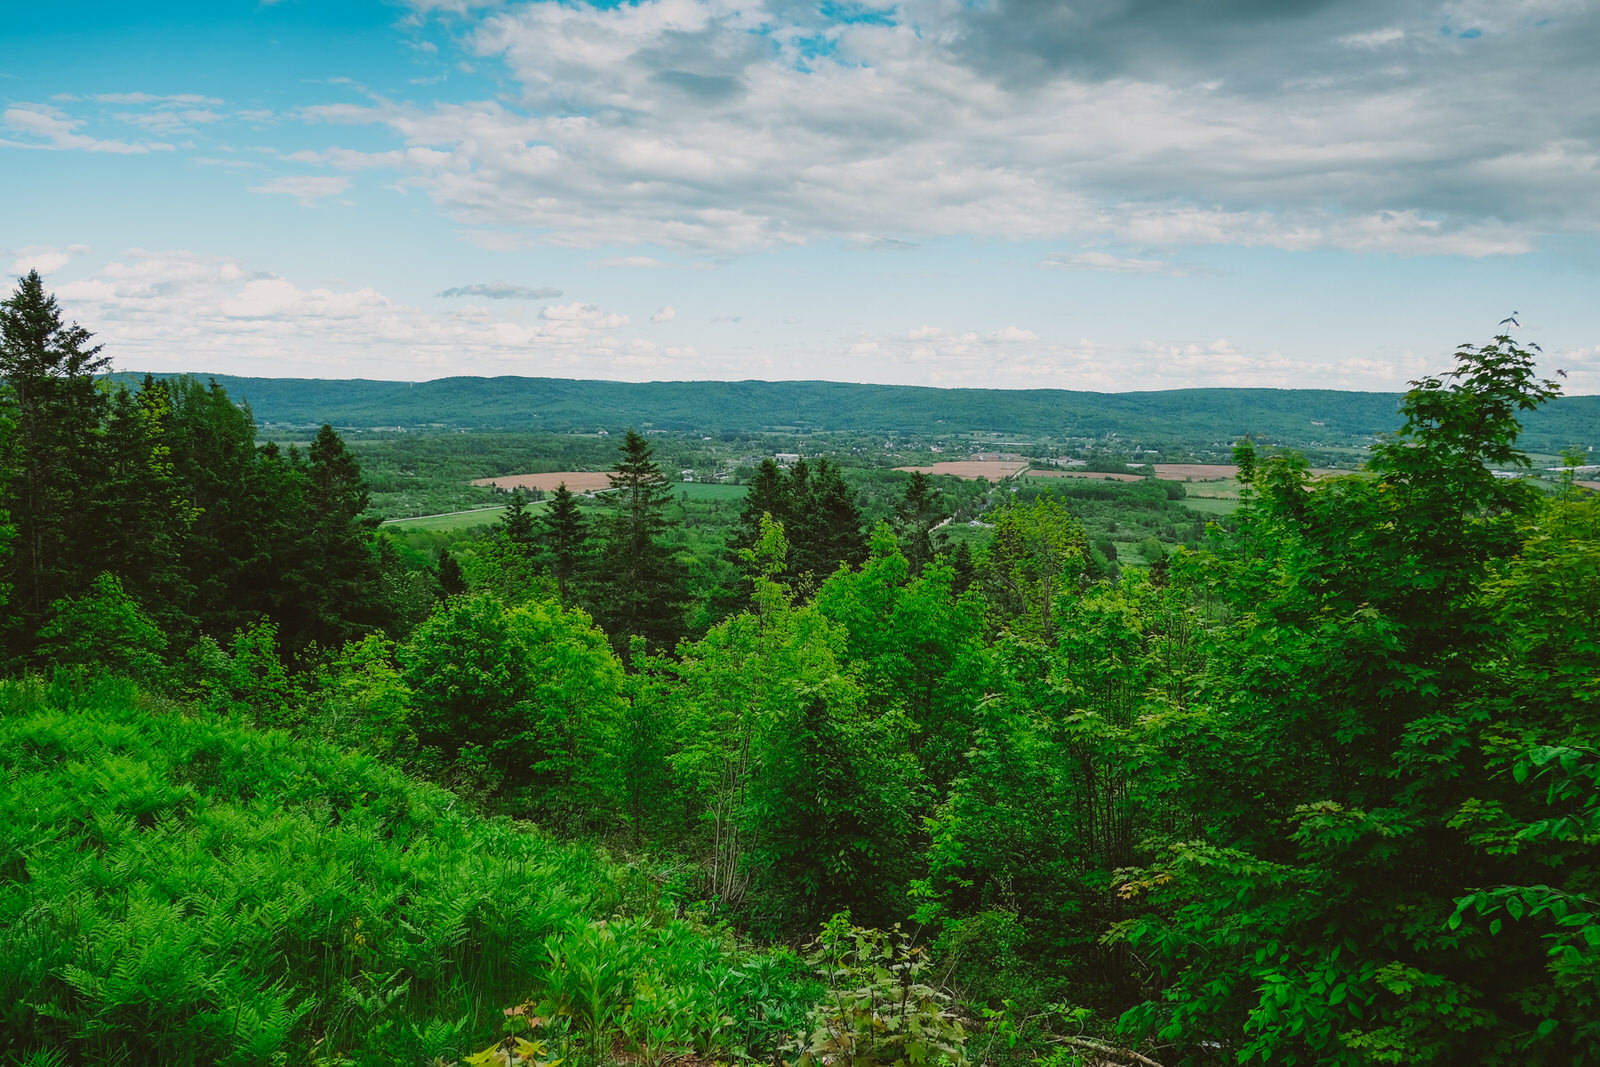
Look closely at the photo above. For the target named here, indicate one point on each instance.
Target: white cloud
(1107, 263)
(46, 259)
(306, 188)
(664, 314)
(633, 262)
(588, 314)
(169, 121)
(503, 291)
(169, 311)
(1013, 335)
(52, 129)
(732, 125)
(1373, 38)
(180, 99)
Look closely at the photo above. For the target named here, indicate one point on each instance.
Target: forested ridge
(1321, 787)
(1325, 416)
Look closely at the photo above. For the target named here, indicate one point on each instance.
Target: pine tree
(344, 563)
(918, 513)
(832, 531)
(451, 581)
(144, 511)
(565, 539)
(49, 366)
(514, 548)
(516, 525)
(639, 583)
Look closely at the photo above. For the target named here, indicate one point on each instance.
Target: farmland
(973, 469)
(1093, 475)
(577, 481)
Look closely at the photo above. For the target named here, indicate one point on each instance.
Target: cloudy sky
(1089, 194)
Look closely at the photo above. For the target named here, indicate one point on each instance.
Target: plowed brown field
(577, 481)
(972, 469)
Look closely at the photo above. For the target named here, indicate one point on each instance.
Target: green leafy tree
(104, 629)
(360, 700)
(800, 800)
(8, 529)
(1038, 556)
(1346, 714)
(533, 689)
(827, 525)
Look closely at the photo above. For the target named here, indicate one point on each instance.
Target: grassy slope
(186, 890)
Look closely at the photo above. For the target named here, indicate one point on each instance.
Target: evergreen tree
(639, 583)
(918, 513)
(565, 538)
(833, 530)
(516, 525)
(144, 513)
(8, 529)
(49, 366)
(215, 459)
(345, 589)
(767, 494)
(820, 519)
(451, 581)
(514, 549)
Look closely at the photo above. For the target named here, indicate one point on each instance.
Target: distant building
(688, 474)
(1068, 461)
(786, 459)
(997, 457)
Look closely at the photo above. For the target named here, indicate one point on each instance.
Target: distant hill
(1323, 416)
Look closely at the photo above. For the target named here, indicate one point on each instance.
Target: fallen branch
(1104, 1049)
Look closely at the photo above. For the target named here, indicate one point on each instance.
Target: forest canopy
(1319, 786)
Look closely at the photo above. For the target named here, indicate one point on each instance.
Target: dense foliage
(1318, 788)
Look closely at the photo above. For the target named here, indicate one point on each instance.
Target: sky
(1079, 194)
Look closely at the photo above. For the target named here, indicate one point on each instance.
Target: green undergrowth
(177, 888)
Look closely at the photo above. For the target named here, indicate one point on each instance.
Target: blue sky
(1089, 194)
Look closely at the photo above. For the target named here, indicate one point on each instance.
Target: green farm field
(454, 521)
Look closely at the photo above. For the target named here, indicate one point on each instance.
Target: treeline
(1323, 790)
(1172, 418)
(155, 505)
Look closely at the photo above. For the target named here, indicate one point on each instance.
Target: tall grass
(181, 889)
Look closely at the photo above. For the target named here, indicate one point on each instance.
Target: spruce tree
(52, 453)
(516, 525)
(344, 563)
(832, 531)
(144, 513)
(565, 539)
(918, 513)
(639, 583)
(451, 581)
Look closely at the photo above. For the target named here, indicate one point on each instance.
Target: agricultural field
(577, 481)
(1091, 475)
(1196, 472)
(454, 521)
(973, 469)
